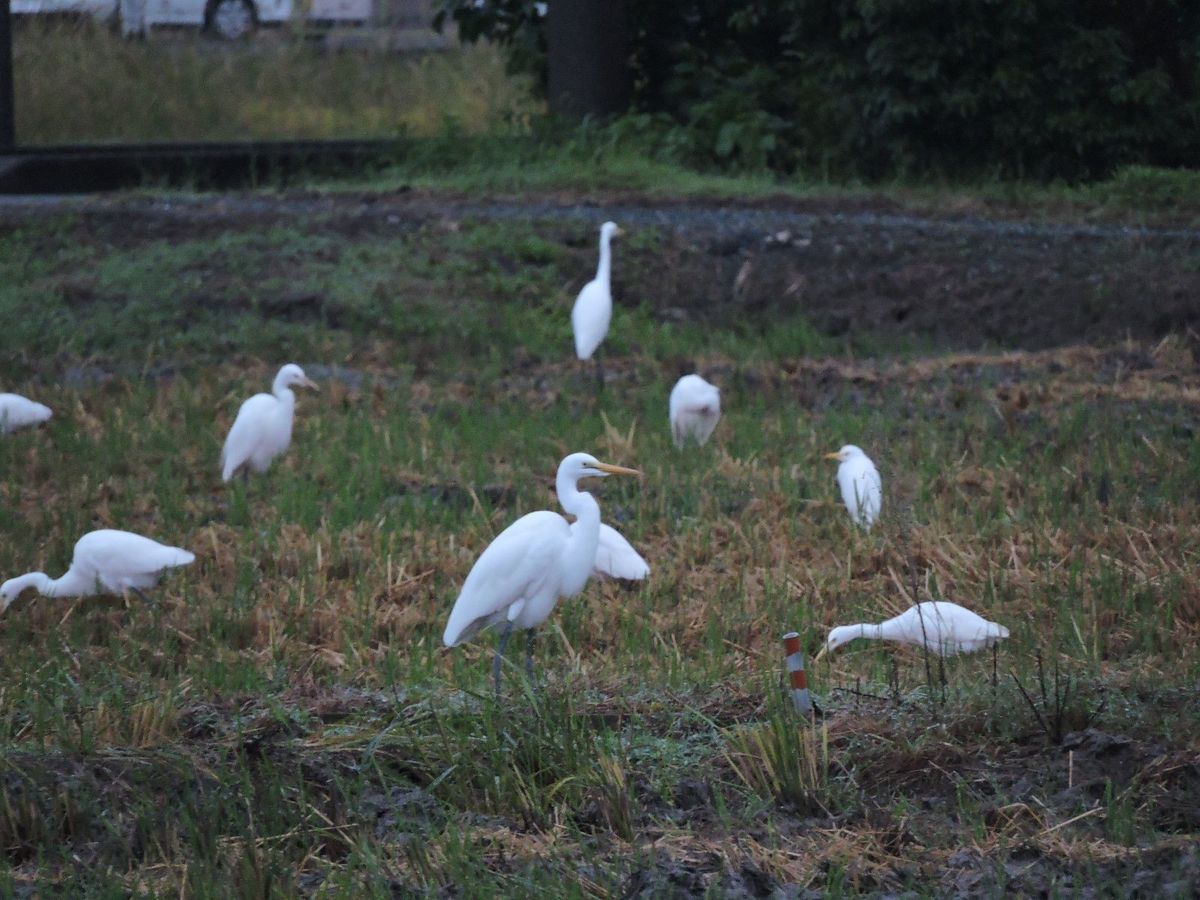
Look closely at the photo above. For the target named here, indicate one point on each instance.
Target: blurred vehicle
(96, 9)
(227, 19)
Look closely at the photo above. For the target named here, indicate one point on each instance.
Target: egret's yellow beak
(309, 383)
(837, 455)
(820, 653)
(620, 232)
(617, 470)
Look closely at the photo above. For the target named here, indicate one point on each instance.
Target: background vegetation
(859, 88)
(80, 83)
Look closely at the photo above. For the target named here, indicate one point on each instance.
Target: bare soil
(957, 282)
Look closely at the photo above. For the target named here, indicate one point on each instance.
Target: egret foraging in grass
(19, 412)
(105, 562)
(519, 578)
(695, 408)
(862, 491)
(942, 627)
(263, 427)
(592, 312)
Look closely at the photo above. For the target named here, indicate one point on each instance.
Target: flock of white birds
(537, 560)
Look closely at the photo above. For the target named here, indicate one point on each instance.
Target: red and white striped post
(796, 674)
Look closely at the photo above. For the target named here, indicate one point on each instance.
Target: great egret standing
(537, 559)
(18, 412)
(942, 627)
(105, 561)
(695, 409)
(592, 312)
(263, 427)
(862, 491)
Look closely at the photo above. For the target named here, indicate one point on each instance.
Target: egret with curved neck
(941, 627)
(519, 578)
(104, 561)
(263, 427)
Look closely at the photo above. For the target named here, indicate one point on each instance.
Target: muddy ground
(1021, 794)
(957, 282)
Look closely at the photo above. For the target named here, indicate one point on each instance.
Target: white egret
(18, 412)
(263, 427)
(593, 307)
(862, 491)
(537, 559)
(942, 627)
(615, 556)
(695, 408)
(105, 561)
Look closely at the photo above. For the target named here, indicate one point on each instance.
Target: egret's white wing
(120, 559)
(590, 317)
(17, 412)
(616, 558)
(947, 628)
(518, 564)
(246, 433)
(862, 490)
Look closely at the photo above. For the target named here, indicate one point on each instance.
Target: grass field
(283, 720)
(75, 83)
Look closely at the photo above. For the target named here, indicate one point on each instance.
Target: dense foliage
(1037, 88)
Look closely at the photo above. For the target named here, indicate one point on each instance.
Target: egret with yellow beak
(518, 580)
(862, 491)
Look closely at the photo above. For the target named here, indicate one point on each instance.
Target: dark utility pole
(588, 57)
(8, 135)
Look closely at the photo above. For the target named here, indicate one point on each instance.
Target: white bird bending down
(263, 427)
(537, 559)
(18, 412)
(942, 627)
(593, 307)
(695, 408)
(105, 561)
(862, 491)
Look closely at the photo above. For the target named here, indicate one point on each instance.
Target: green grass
(76, 83)
(284, 719)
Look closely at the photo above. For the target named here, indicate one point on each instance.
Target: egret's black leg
(143, 597)
(529, 655)
(599, 372)
(499, 660)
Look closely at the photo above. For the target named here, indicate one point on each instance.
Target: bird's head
(584, 465)
(11, 590)
(847, 452)
(610, 230)
(842, 634)
(292, 375)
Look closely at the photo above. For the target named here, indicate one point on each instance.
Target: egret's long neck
(284, 395)
(873, 632)
(585, 536)
(605, 267)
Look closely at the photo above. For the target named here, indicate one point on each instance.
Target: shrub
(1035, 88)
